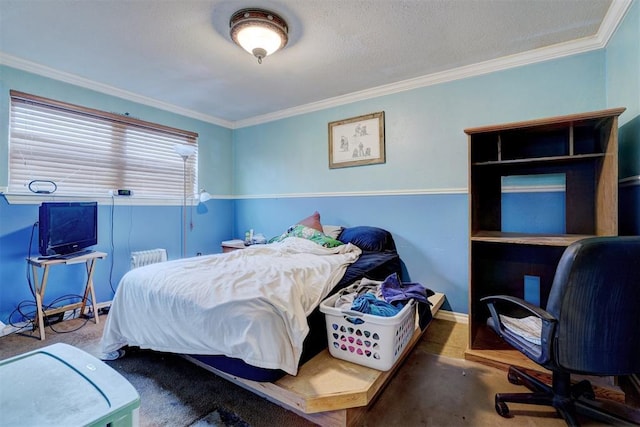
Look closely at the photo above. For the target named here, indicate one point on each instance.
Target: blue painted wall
(426, 147)
(214, 142)
(270, 175)
(623, 89)
(122, 228)
(434, 252)
(281, 168)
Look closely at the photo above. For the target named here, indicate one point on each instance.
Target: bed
(251, 313)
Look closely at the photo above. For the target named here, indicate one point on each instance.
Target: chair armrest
(533, 309)
(540, 354)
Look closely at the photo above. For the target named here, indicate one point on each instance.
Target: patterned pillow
(304, 232)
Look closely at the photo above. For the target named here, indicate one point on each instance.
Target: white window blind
(90, 152)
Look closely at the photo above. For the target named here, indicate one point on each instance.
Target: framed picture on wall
(357, 141)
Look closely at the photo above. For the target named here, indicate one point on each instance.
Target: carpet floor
(435, 386)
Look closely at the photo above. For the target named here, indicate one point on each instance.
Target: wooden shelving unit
(583, 148)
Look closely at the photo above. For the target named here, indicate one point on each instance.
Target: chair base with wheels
(567, 399)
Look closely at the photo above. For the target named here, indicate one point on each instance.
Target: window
(87, 152)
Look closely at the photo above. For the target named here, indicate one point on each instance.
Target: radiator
(140, 258)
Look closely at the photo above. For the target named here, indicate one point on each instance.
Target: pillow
(368, 238)
(332, 230)
(308, 233)
(312, 221)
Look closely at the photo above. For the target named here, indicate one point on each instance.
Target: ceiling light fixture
(259, 32)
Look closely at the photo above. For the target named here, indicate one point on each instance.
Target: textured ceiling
(178, 52)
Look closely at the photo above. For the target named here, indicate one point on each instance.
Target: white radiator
(140, 258)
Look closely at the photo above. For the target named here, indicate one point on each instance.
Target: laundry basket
(373, 341)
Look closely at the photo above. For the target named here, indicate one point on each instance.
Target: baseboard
(104, 304)
(101, 306)
(10, 329)
(451, 316)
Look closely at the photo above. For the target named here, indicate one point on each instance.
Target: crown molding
(609, 24)
(474, 70)
(612, 19)
(41, 70)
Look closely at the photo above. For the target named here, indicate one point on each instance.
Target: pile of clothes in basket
(386, 298)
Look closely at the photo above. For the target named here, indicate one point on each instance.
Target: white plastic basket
(373, 341)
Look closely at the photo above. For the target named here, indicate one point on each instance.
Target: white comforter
(250, 304)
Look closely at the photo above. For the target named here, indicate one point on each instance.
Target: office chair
(591, 326)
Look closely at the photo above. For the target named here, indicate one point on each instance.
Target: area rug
(176, 392)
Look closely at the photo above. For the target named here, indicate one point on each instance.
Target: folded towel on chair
(529, 328)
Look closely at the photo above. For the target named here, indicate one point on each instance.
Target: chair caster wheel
(583, 389)
(513, 378)
(502, 409)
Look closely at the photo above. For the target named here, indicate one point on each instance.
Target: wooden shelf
(581, 147)
(528, 239)
(535, 160)
(558, 121)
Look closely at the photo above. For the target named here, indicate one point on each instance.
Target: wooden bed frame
(328, 391)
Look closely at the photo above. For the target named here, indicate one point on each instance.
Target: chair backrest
(596, 298)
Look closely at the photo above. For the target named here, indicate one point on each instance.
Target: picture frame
(357, 141)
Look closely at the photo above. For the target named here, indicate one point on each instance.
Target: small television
(67, 227)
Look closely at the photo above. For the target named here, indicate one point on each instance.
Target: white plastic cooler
(61, 385)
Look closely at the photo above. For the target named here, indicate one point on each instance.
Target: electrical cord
(65, 298)
(33, 186)
(28, 313)
(113, 251)
(30, 316)
(33, 293)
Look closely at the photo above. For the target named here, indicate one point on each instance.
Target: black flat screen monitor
(67, 227)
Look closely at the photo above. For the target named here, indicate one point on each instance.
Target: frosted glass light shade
(204, 196)
(184, 151)
(256, 37)
(259, 32)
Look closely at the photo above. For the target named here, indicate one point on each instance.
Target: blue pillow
(368, 238)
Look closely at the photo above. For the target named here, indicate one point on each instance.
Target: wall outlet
(53, 319)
